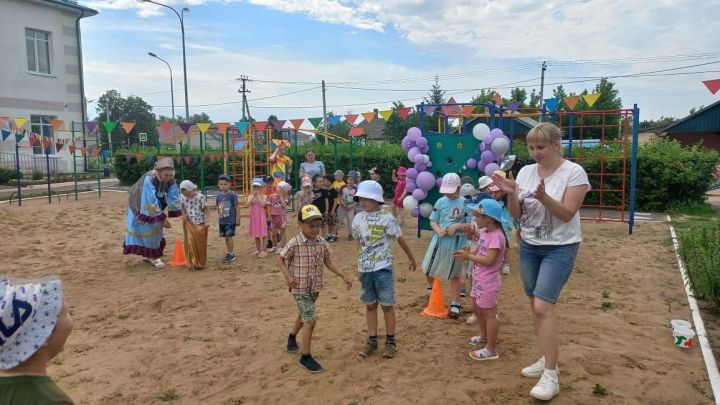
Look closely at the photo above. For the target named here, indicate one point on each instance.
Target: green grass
(691, 215)
(599, 390)
(168, 395)
(699, 247)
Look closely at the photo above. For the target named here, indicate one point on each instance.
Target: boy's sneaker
(269, 244)
(350, 237)
(308, 363)
(546, 388)
(463, 292)
(369, 348)
(506, 268)
(229, 257)
(292, 345)
(389, 350)
(455, 311)
(536, 369)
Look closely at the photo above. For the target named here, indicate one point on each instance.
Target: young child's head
(488, 214)
(466, 180)
(328, 181)
(40, 331)
(318, 181)
(188, 188)
(269, 181)
(351, 178)
(450, 185)
(370, 195)
(467, 190)
(495, 192)
(374, 174)
(401, 173)
(484, 183)
(339, 175)
(258, 185)
(284, 187)
(224, 183)
(306, 182)
(311, 221)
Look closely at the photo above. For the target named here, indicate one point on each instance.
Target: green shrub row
(699, 249)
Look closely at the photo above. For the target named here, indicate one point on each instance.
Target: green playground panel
(448, 154)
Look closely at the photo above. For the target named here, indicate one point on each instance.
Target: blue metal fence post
(633, 167)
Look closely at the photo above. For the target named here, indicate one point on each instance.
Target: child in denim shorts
(374, 228)
(301, 262)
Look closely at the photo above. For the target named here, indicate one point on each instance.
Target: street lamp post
(172, 95)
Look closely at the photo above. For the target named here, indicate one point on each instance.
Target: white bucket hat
(28, 313)
(450, 183)
(187, 185)
(370, 189)
(484, 182)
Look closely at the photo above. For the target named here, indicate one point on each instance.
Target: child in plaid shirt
(301, 262)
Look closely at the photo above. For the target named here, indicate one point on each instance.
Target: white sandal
(157, 263)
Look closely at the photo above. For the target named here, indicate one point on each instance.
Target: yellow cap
(310, 212)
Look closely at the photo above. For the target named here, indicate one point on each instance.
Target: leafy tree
(437, 94)
(534, 99)
(656, 123)
(132, 109)
(694, 109)
(518, 94)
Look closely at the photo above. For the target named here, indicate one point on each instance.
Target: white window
(40, 124)
(37, 45)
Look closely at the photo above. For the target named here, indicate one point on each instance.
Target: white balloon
(499, 146)
(426, 209)
(426, 159)
(480, 131)
(410, 202)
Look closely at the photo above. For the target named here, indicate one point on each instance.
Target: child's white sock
(551, 373)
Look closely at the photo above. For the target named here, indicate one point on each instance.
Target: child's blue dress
(438, 261)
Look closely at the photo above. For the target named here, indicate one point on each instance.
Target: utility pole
(244, 91)
(107, 119)
(542, 84)
(324, 112)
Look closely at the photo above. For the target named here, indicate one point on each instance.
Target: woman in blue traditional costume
(154, 192)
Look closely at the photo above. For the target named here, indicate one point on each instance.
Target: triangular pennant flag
(468, 109)
(203, 126)
(357, 131)
(571, 101)
(386, 114)
(429, 109)
(166, 127)
(46, 143)
(279, 124)
(451, 109)
(241, 126)
(127, 126)
(334, 119)
(551, 104)
(514, 106)
(95, 152)
(591, 99)
(369, 116)
(59, 146)
(226, 155)
(20, 122)
(91, 126)
(297, 123)
(315, 122)
(128, 157)
(497, 99)
(222, 127)
(18, 137)
(212, 157)
(177, 160)
(187, 160)
(83, 151)
(351, 118)
(71, 149)
(150, 158)
(403, 112)
(2, 120)
(185, 126)
(5, 134)
(110, 125)
(138, 157)
(261, 125)
(56, 124)
(712, 85)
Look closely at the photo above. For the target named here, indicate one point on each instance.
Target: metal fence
(33, 163)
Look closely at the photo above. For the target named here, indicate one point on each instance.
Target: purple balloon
(411, 174)
(421, 167)
(412, 153)
(410, 186)
(491, 168)
(419, 194)
(405, 144)
(420, 142)
(414, 133)
(438, 182)
(419, 158)
(415, 212)
(424, 148)
(481, 166)
(425, 181)
(495, 134)
(428, 164)
(487, 156)
(471, 163)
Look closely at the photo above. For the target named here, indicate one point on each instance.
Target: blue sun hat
(490, 208)
(29, 311)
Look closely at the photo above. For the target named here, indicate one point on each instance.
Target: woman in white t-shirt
(546, 197)
(311, 167)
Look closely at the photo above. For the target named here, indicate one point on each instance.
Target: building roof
(705, 120)
(72, 5)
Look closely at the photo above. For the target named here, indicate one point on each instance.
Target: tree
(194, 119)
(662, 121)
(694, 109)
(131, 109)
(437, 94)
(396, 128)
(534, 99)
(518, 94)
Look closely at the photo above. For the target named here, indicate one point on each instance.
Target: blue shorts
(377, 286)
(227, 230)
(545, 269)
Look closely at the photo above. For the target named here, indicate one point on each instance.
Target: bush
(698, 248)
(7, 175)
(37, 175)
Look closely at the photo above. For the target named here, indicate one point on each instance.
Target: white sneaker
(157, 263)
(534, 370)
(546, 388)
(506, 268)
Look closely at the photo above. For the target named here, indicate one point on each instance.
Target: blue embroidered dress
(149, 197)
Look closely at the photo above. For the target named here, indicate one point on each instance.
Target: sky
(372, 52)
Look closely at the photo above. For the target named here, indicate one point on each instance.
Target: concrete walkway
(58, 187)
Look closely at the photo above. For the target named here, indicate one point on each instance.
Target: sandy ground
(217, 336)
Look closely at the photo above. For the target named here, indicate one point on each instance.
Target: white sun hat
(450, 183)
(484, 182)
(370, 189)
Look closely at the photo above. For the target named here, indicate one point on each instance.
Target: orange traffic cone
(436, 307)
(179, 255)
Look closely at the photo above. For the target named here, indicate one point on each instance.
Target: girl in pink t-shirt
(487, 259)
(398, 176)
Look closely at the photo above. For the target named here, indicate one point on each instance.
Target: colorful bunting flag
(333, 119)
(451, 109)
(5, 134)
(110, 125)
(357, 131)
(138, 157)
(467, 109)
(241, 126)
(222, 127)
(59, 146)
(497, 99)
(571, 101)
(315, 122)
(369, 116)
(128, 157)
(56, 124)
(128, 126)
(514, 106)
(203, 126)
(402, 112)
(260, 125)
(386, 114)
(91, 126)
(297, 123)
(177, 160)
(71, 148)
(20, 122)
(187, 160)
(429, 109)
(551, 104)
(212, 157)
(95, 152)
(185, 126)
(166, 127)
(712, 85)
(591, 99)
(351, 118)
(19, 137)
(278, 124)
(46, 143)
